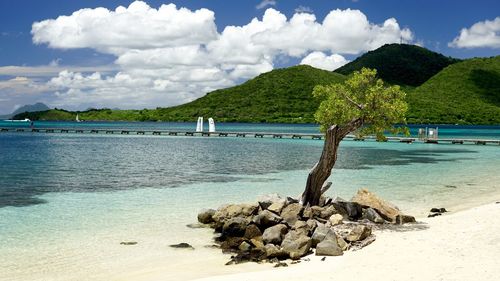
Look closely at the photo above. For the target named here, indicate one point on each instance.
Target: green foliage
(362, 97)
(400, 64)
(282, 95)
(464, 93)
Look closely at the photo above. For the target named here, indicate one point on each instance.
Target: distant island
(441, 90)
(26, 108)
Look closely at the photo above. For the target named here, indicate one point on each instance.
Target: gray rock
(128, 243)
(235, 210)
(245, 246)
(252, 231)
(335, 219)
(400, 219)
(267, 218)
(327, 212)
(296, 244)
(328, 248)
(321, 233)
(276, 207)
(342, 244)
(257, 242)
(311, 225)
(301, 226)
(291, 213)
(182, 246)
(273, 251)
(307, 213)
(267, 200)
(372, 215)
(274, 234)
(235, 226)
(206, 216)
(359, 232)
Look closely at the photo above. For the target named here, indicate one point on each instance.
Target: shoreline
(460, 245)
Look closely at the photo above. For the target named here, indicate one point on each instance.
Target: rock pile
(278, 228)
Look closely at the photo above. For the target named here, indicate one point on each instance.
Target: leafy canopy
(362, 98)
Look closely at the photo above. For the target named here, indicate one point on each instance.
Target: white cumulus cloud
(170, 55)
(265, 3)
(481, 34)
(322, 61)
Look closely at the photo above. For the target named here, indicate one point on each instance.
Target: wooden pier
(295, 136)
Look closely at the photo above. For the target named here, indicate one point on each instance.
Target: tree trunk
(323, 169)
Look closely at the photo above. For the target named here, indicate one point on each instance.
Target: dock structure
(271, 135)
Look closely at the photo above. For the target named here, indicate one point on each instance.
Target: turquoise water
(67, 200)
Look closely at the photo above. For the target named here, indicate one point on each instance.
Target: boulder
(206, 216)
(327, 212)
(321, 233)
(359, 232)
(353, 210)
(372, 215)
(328, 247)
(342, 243)
(316, 211)
(274, 234)
(311, 225)
(235, 226)
(235, 210)
(245, 246)
(400, 219)
(273, 251)
(257, 242)
(276, 207)
(290, 200)
(252, 231)
(387, 210)
(438, 210)
(231, 243)
(307, 213)
(254, 255)
(335, 219)
(291, 213)
(296, 244)
(128, 243)
(301, 226)
(266, 219)
(267, 200)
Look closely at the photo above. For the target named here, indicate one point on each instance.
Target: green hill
(463, 93)
(281, 95)
(400, 64)
(467, 92)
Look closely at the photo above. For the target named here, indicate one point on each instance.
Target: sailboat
(77, 119)
(211, 125)
(199, 124)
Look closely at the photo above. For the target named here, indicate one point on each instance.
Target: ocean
(68, 200)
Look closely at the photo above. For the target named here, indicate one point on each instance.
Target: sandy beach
(457, 246)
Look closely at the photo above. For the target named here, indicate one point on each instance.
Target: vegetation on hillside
(400, 64)
(282, 95)
(464, 93)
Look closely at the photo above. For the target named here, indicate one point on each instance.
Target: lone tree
(363, 104)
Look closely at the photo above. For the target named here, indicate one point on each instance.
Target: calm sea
(67, 200)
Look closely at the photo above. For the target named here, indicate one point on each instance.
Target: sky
(84, 54)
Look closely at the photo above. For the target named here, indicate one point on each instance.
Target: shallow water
(67, 201)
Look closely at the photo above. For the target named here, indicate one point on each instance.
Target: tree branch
(360, 106)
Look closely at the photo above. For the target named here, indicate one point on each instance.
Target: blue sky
(160, 66)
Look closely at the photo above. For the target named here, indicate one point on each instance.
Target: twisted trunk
(323, 169)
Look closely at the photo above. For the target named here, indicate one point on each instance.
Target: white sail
(77, 119)
(211, 125)
(199, 125)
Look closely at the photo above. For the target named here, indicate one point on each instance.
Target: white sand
(459, 246)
